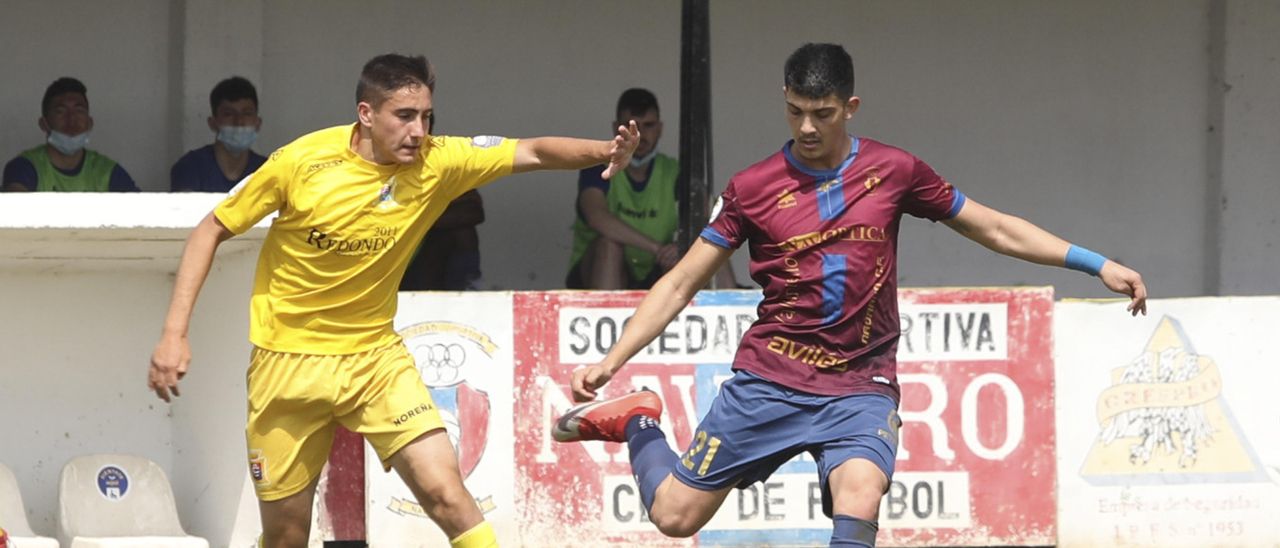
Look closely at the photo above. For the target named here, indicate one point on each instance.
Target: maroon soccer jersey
(824, 248)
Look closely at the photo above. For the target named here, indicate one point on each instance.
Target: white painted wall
(65, 390)
(84, 286)
(1091, 118)
(1250, 228)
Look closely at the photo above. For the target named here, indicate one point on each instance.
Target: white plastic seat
(119, 501)
(13, 515)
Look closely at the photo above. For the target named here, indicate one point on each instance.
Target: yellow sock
(480, 536)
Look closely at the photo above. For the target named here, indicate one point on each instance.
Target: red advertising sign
(976, 462)
(976, 454)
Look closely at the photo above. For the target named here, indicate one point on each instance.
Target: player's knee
(861, 500)
(675, 524)
(445, 496)
(286, 523)
(287, 535)
(676, 528)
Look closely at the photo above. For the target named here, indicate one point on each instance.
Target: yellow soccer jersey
(330, 267)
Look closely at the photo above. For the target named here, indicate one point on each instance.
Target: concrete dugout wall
(1142, 129)
(84, 285)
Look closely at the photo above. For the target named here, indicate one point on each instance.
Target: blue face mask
(641, 161)
(68, 144)
(237, 139)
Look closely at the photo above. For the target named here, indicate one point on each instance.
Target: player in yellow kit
(353, 202)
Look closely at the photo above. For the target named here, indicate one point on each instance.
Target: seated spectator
(235, 124)
(624, 231)
(624, 234)
(63, 164)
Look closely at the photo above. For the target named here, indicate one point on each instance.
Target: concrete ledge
(139, 542)
(90, 231)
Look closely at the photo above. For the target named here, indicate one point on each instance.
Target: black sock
(851, 531)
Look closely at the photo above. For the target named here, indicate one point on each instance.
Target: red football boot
(606, 420)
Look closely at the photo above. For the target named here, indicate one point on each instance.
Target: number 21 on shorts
(701, 441)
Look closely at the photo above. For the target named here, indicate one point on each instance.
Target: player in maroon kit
(817, 371)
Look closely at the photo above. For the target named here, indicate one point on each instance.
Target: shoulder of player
(443, 150)
(760, 178)
(323, 141)
(873, 150)
(315, 148)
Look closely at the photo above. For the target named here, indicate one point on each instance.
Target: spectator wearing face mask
(624, 233)
(235, 124)
(63, 164)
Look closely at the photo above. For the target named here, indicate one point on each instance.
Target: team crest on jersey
(873, 180)
(1165, 418)
(786, 199)
(387, 195)
(447, 354)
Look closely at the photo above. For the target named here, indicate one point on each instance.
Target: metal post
(694, 183)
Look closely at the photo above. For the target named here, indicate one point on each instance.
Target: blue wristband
(1079, 258)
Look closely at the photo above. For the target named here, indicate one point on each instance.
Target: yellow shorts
(296, 400)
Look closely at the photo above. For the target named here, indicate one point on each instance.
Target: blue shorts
(754, 426)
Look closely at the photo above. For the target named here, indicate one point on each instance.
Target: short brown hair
(391, 71)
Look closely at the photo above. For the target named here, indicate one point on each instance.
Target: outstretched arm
(172, 354)
(1016, 237)
(669, 295)
(540, 153)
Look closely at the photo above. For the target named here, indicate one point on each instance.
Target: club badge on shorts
(258, 467)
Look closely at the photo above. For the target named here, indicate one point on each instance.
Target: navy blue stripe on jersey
(822, 175)
(834, 271)
(831, 202)
(830, 199)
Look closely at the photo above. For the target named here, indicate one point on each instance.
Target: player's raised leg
(678, 510)
(681, 511)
